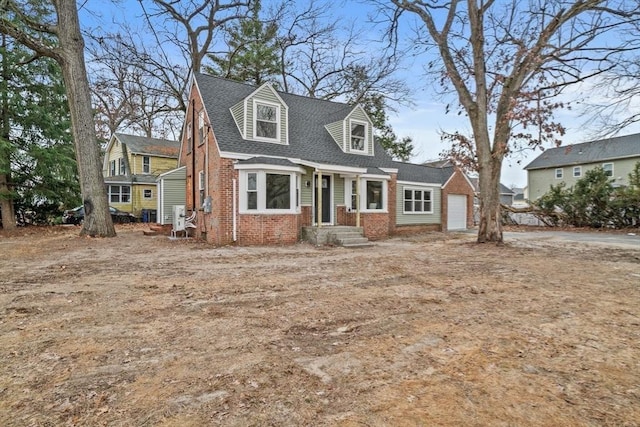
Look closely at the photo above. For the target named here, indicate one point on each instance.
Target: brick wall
(267, 229)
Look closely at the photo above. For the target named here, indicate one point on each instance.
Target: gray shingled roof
(152, 146)
(503, 188)
(137, 179)
(588, 152)
(308, 138)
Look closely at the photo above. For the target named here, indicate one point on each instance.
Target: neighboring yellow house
(130, 169)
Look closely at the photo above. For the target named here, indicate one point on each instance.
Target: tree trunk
(490, 228)
(97, 219)
(6, 194)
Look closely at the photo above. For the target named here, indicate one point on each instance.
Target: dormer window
(357, 135)
(267, 121)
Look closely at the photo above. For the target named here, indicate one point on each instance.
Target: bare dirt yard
(421, 331)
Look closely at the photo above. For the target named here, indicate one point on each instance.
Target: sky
(424, 117)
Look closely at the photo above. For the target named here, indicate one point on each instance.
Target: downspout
(319, 198)
(235, 208)
(193, 155)
(357, 200)
(206, 162)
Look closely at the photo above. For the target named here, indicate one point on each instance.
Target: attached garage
(456, 212)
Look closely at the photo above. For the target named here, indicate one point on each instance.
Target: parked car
(76, 216)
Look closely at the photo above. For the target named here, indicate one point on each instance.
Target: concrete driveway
(615, 239)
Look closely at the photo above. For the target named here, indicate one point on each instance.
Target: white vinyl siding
(171, 193)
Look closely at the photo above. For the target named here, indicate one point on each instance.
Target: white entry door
(456, 212)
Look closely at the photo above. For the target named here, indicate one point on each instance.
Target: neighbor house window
(201, 127)
(357, 135)
(417, 201)
(112, 168)
(608, 169)
(146, 164)
(147, 194)
(577, 171)
(267, 119)
(559, 173)
(123, 169)
(269, 191)
(119, 193)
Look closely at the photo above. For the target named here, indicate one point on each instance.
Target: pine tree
(37, 160)
(253, 55)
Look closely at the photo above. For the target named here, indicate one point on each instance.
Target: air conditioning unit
(178, 217)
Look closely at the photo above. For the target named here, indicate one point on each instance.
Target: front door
(326, 199)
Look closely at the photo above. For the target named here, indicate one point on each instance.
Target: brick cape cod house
(253, 156)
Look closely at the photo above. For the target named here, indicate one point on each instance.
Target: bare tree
(191, 25)
(34, 26)
(127, 92)
(505, 62)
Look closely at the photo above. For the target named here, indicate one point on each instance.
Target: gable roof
(149, 146)
(588, 152)
(412, 172)
(308, 138)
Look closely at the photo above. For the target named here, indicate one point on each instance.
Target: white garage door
(456, 212)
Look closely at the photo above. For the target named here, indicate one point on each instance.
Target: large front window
(373, 194)
(269, 192)
(358, 131)
(417, 201)
(119, 193)
(267, 118)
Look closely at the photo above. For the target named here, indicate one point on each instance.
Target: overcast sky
(426, 116)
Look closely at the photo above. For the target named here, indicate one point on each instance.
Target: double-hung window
(123, 169)
(201, 186)
(201, 127)
(559, 173)
(267, 121)
(417, 200)
(146, 164)
(269, 192)
(189, 138)
(577, 171)
(373, 194)
(608, 169)
(147, 194)
(112, 168)
(358, 131)
(119, 193)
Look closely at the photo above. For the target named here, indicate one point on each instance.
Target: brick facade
(216, 227)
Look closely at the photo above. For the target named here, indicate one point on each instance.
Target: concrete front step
(336, 235)
(354, 242)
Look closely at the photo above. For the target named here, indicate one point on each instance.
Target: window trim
(364, 138)
(423, 190)
(605, 170)
(577, 169)
(261, 190)
(201, 134)
(146, 164)
(119, 194)
(144, 194)
(561, 170)
(278, 120)
(348, 193)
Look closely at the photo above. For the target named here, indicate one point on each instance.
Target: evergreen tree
(253, 55)
(37, 154)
